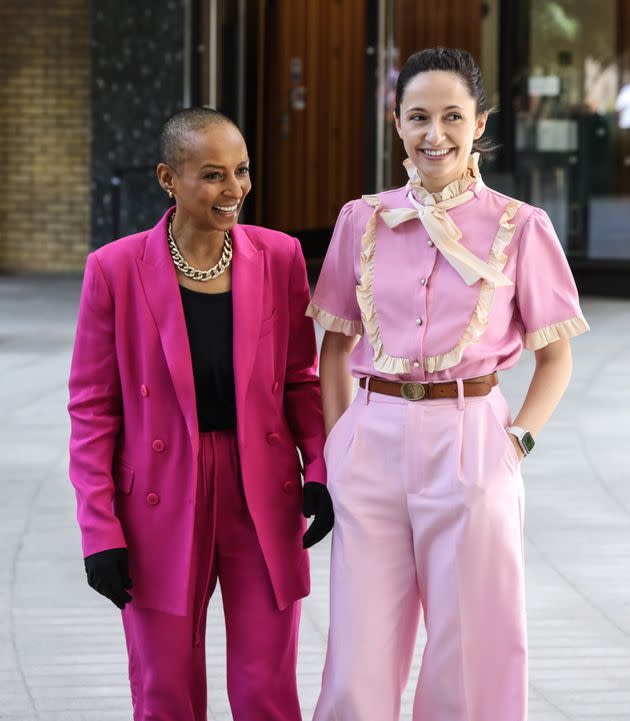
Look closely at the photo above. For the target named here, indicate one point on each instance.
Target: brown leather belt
(479, 386)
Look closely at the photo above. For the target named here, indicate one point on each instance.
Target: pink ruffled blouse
(445, 285)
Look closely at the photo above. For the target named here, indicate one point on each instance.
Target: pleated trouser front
(428, 501)
(167, 664)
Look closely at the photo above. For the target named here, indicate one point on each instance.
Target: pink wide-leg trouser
(167, 668)
(428, 501)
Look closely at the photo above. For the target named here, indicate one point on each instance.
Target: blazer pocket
(267, 324)
(124, 478)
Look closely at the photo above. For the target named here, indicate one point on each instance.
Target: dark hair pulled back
(451, 60)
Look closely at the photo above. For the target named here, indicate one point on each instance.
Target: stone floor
(61, 647)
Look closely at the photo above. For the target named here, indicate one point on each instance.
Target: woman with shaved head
(193, 383)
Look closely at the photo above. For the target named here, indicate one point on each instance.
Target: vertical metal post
(188, 55)
(369, 113)
(513, 72)
(381, 83)
(213, 49)
(391, 55)
(241, 63)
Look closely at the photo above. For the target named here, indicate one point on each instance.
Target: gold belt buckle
(412, 391)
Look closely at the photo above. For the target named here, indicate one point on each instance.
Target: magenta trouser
(428, 501)
(167, 668)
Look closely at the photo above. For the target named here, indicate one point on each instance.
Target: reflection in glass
(572, 122)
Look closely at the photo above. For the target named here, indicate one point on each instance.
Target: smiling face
(212, 179)
(438, 123)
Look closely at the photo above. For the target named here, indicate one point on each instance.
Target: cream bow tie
(446, 235)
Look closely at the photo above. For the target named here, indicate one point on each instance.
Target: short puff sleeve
(546, 294)
(334, 305)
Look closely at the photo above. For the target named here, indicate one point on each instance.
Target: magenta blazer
(134, 436)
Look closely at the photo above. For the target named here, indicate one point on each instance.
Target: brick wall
(45, 71)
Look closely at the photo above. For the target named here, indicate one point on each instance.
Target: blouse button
(273, 438)
(418, 321)
(423, 281)
(158, 445)
(275, 387)
(416, 364)
(153, 499)
(429, 243)
(289, 487)
(144, 391)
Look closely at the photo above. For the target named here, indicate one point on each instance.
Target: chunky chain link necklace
(194, 273)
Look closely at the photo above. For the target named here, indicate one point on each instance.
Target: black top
(209, 324)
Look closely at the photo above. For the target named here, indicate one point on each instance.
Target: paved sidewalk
(61, 646)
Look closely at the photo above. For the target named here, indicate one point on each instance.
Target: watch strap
(519, 433)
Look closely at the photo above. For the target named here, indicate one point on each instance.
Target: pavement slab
(62, 654)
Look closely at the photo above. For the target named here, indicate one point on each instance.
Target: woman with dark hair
(193, 380)
(425, 293)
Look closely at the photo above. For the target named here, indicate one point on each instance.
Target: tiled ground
(61, 646)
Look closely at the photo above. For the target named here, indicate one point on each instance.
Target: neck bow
(431, 209)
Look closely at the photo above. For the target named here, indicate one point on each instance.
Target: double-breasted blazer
(134, 436)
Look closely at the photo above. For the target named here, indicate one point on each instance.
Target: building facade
(312, 84)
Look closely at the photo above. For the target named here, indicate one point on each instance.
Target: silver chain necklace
(194, 273)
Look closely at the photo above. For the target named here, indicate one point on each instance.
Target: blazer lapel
(161, 289)
(247, 296)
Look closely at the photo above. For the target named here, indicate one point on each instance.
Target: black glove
(108, 573)
(317, 501)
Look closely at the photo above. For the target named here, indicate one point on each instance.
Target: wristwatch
(524, 438)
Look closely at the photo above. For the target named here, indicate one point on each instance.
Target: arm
(303, 407)
(548, 304)
(302, 398)
(337, 382)
(548, 384)
(95, 409)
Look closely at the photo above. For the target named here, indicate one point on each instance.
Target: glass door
(566, 144)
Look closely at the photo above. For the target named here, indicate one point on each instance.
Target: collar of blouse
(431, 209)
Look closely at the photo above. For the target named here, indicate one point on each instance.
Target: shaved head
(175, 131)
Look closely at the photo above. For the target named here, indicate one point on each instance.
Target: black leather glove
(317, 501)
(108, 573)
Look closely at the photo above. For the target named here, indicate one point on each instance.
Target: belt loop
(460, 394)
(367, 389)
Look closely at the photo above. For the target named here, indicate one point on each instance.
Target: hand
(108, 573)
(317, 501)
(515, 443)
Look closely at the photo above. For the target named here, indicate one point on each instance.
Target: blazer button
(158, 445)
(153, 499)
(275, 387)
(289, 487)
(144, 390)
(273, 438)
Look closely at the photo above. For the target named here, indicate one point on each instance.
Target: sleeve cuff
(565, 329)
(334, 323)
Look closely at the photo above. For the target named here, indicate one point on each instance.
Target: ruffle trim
(481, 313)
(365, 296)
(470, 178)
(565, 329)
(334, 323)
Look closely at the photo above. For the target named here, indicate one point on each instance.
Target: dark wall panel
(137, 82)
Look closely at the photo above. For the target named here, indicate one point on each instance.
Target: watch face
(528, 441)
